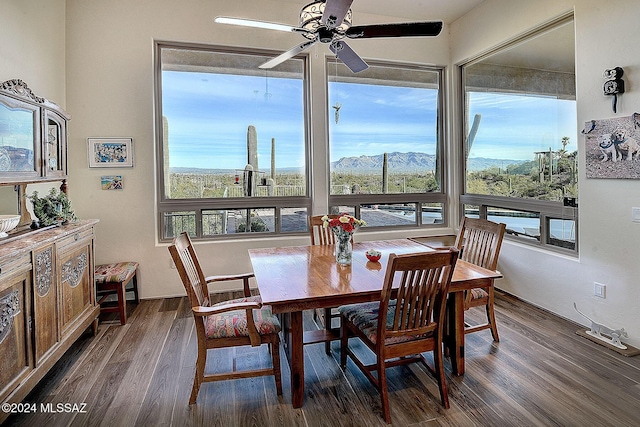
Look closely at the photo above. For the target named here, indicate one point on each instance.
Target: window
(233, 146)
(521, 141)
(385, 144)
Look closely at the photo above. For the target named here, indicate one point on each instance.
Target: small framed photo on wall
(110, 152)
(111, 182)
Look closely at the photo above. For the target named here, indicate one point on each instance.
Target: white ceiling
(415, 10)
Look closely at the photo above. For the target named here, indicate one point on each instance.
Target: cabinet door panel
(74, 274)
(20, 133)
(45, 302)
(14, 343)
(55, 147)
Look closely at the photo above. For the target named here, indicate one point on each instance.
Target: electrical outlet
(172, 265)
(599, 289)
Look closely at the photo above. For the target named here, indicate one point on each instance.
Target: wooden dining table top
(297, 278)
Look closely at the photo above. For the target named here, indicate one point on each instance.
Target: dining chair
(323, 236)
(412, 322)
(237, 322)
(479, 241)
(319, 234)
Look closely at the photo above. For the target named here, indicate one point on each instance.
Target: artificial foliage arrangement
(54, 208)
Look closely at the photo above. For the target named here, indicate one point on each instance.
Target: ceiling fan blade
(334, 12)
(287, 55)
(405, 29)
(253, 23)
(348, 56)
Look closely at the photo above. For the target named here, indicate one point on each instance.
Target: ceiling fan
(329, 21)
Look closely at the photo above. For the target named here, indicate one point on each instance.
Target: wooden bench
(113, 279)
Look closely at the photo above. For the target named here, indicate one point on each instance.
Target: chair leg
(383, 390)
(199, 375)
(327, 327)
(491, 317)
(344, 342)
(122, 303)
(440, 376)
(275, 360)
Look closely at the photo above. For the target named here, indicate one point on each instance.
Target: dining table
(297, 278)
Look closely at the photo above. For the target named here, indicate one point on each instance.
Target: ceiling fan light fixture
(311, 15)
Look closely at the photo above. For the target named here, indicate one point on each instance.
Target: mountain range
(410, 162)
(398, 162)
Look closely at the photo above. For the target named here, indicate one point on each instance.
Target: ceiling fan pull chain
(338, 105)
(267, 95)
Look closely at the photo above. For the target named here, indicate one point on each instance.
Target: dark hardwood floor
(140, 374)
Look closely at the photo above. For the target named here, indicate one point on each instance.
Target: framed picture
(110, 152)
(612, 147)
(111, 182)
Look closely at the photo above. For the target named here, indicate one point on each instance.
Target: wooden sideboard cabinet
(47, 300)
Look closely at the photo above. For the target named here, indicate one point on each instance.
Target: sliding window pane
(562, 233)
(294, 220)
(519, 223)
(259, 220)
(178, 222)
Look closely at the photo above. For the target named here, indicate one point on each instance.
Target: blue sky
(208, 116)
(532, 125)
(369, 117)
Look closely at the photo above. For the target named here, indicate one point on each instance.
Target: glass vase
(344, 249)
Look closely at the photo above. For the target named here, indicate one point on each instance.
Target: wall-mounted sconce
(613, 85)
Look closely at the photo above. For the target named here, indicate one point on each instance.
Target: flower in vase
(343, 223)
(343, 226)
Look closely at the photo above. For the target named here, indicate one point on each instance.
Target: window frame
(547, 210)
(358, 200)
(165, 205)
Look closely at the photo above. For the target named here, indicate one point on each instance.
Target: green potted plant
(54, 208)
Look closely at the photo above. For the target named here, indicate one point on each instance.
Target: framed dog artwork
(612, 147)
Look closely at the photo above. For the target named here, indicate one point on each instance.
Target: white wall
(606, 36)
(110, 93)
(33, 46)
(32, 49)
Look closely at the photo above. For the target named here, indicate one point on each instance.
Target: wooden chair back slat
(423, 283)
(186, 262)
(480, 241)
(319, 234)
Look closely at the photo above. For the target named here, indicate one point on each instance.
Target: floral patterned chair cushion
(478, 293)
(234, 323)
(365, 317)
(116, 272)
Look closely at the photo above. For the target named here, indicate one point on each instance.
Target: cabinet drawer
(12, 266)
(71, 241)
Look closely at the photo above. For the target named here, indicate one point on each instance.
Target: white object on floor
(605, 334)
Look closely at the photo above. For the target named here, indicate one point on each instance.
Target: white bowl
(8, 223)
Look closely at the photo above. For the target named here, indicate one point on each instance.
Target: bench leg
(122, 303)
(135, 287)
